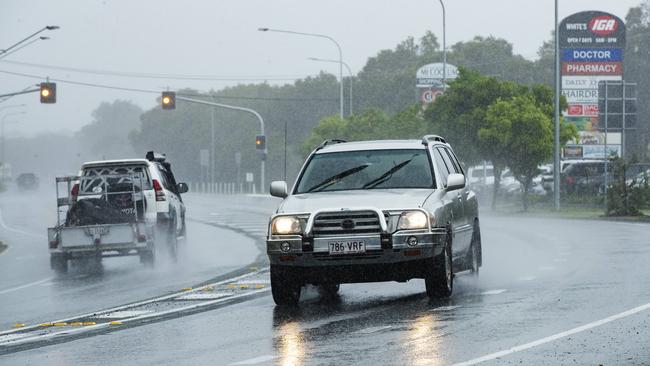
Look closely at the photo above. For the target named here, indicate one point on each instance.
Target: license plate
(347, 247)
(96, 231)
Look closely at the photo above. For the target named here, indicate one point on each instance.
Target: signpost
(429, 80)
(592, 45)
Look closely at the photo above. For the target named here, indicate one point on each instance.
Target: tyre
(172, 240)
(148, 256)
(475, 250)
(329, 290)
(59, 264)
(439, 280)
(285, 287)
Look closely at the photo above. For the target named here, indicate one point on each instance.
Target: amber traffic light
(48, 93)
(168, 100)
(260, 142)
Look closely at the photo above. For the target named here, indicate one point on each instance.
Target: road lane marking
(527, 278)
(8, 228)
(256, 360)
(493, 292)
(554, 337)
(446, 308)
(121, 314)
(371, 330)
(25, 286)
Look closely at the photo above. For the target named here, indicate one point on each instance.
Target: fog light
(412, 241)
(285, 247)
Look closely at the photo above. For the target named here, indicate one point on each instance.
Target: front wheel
(285, 287)
(439, 280)
(475, 250)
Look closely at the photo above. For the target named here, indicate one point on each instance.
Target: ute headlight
(413, 220)
(284, 225)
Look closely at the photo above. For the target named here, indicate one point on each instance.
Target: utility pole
(556, 140)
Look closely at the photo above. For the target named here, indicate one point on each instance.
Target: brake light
(160, 194)
(570, 180)
(75, 192)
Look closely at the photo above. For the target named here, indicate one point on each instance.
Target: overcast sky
(220, 38)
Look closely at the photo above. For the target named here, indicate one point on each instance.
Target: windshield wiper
(335, 178)
(386, 176)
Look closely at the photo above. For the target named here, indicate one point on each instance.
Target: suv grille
(343, 223)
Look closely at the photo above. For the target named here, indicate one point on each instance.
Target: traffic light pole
(242, 109)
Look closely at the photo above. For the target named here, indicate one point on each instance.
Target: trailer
(100, 216)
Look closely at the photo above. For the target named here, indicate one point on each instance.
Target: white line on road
(446, 308)
(554, 337)
(373, 329)
(493, 292)
(256, 360)
(527, 278)
(4, 226)
(25, 286)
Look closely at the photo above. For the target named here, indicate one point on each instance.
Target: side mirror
(455, 181)
(182, 188)
(279, 189)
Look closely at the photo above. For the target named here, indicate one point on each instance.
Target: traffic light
(260, 142)
(168, 100)
(48, 93)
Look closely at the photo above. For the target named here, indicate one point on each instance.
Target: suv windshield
(367, 169)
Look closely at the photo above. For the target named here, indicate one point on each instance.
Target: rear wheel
(148, 256)
(59, 264)
(439, 280)
(285, 287)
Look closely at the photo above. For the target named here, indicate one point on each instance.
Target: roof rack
(430, 138)
(152, 156)
(329, 142)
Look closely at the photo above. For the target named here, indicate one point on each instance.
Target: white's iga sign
(593, 29)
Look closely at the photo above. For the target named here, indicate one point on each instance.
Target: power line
(152, 91)
(161, 76)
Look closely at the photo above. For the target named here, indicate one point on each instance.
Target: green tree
(107, 136)
(524, 136)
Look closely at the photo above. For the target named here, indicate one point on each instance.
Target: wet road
(32, 293)
(546, 295)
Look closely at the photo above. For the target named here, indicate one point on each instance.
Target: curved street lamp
(346, 66)
(319, 36)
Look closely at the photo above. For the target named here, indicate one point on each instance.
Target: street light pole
(319, 36)
(242, 109)
(444, 47)
(349, 72)
(48, 27)
(556, 142)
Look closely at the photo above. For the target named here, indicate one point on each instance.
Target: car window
(367, 169)
(454, 161)
(440, 163)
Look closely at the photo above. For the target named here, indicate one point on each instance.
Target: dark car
(27, 181)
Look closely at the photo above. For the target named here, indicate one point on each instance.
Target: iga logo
(603, 25)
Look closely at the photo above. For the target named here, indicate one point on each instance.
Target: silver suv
(374, 211)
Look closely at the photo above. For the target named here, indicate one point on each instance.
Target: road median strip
(184, 301)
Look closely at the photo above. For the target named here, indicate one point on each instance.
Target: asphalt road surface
(550, 292)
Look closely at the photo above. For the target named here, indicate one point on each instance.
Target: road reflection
(421, 340)
(290, 344)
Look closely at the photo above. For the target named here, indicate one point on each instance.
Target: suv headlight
(412, 220)
(284, 225)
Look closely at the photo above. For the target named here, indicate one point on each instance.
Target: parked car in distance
(374, 211)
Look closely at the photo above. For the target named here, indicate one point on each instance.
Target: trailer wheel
(59, 264)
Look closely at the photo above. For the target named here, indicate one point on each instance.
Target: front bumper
(388, 257)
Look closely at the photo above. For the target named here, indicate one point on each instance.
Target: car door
(451, 201)
(463, 234)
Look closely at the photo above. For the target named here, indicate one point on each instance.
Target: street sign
(249, 177)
